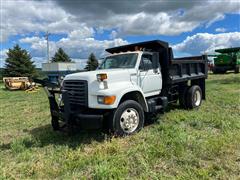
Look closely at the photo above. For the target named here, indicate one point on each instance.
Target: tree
(60, 56)
(92, 63)
(18, 63)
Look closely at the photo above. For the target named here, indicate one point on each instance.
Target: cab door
(150, 79)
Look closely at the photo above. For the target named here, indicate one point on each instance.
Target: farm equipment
(228, 59)
(19, 83)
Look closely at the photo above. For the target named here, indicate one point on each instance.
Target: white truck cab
(133, 80)
(118, 75)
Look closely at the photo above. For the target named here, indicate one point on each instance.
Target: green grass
(196, 144)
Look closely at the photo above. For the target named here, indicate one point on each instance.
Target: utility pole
(46, 37)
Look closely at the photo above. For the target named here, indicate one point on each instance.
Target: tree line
(19, 62)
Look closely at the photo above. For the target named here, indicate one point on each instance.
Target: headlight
(107, 100)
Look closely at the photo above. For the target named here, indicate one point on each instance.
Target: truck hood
(114, 75)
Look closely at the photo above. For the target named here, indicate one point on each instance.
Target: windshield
(119, 61)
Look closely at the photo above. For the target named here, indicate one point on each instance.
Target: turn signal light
(101, 77)
(108, 100)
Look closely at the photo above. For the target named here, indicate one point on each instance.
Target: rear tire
(127, 119)
(194, 97)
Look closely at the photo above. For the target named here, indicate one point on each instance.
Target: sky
(191, 27)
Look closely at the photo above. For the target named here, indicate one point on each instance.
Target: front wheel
(128, 118)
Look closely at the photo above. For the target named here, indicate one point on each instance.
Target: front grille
(77, 93)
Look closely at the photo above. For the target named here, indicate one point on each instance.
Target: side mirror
(155, 60)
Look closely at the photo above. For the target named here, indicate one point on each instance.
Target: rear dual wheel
(191, 97)
(194, 97)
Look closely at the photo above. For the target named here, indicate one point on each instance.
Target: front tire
(128, 118)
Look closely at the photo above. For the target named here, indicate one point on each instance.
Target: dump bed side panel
(183, 69)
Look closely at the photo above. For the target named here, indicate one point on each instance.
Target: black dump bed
(173, 70)
(182, 69)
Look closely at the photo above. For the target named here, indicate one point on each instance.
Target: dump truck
(227, 60)
(133, 81)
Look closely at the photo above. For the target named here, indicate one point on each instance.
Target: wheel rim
(197, 98)
(129, 120)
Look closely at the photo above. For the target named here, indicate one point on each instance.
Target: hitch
(63, 112)
(57, 111)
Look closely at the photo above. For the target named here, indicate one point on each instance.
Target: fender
(118, 89)
(135, 89)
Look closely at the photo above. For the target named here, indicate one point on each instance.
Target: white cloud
(150, 24)
(126, 17)
(31, 40)
(221, 30)
(84, 32)
(81, 48)
(152, 17)
(23, 17)
(75, 44)
(206, 43)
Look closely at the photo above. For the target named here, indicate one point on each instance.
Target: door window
(146, 62)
